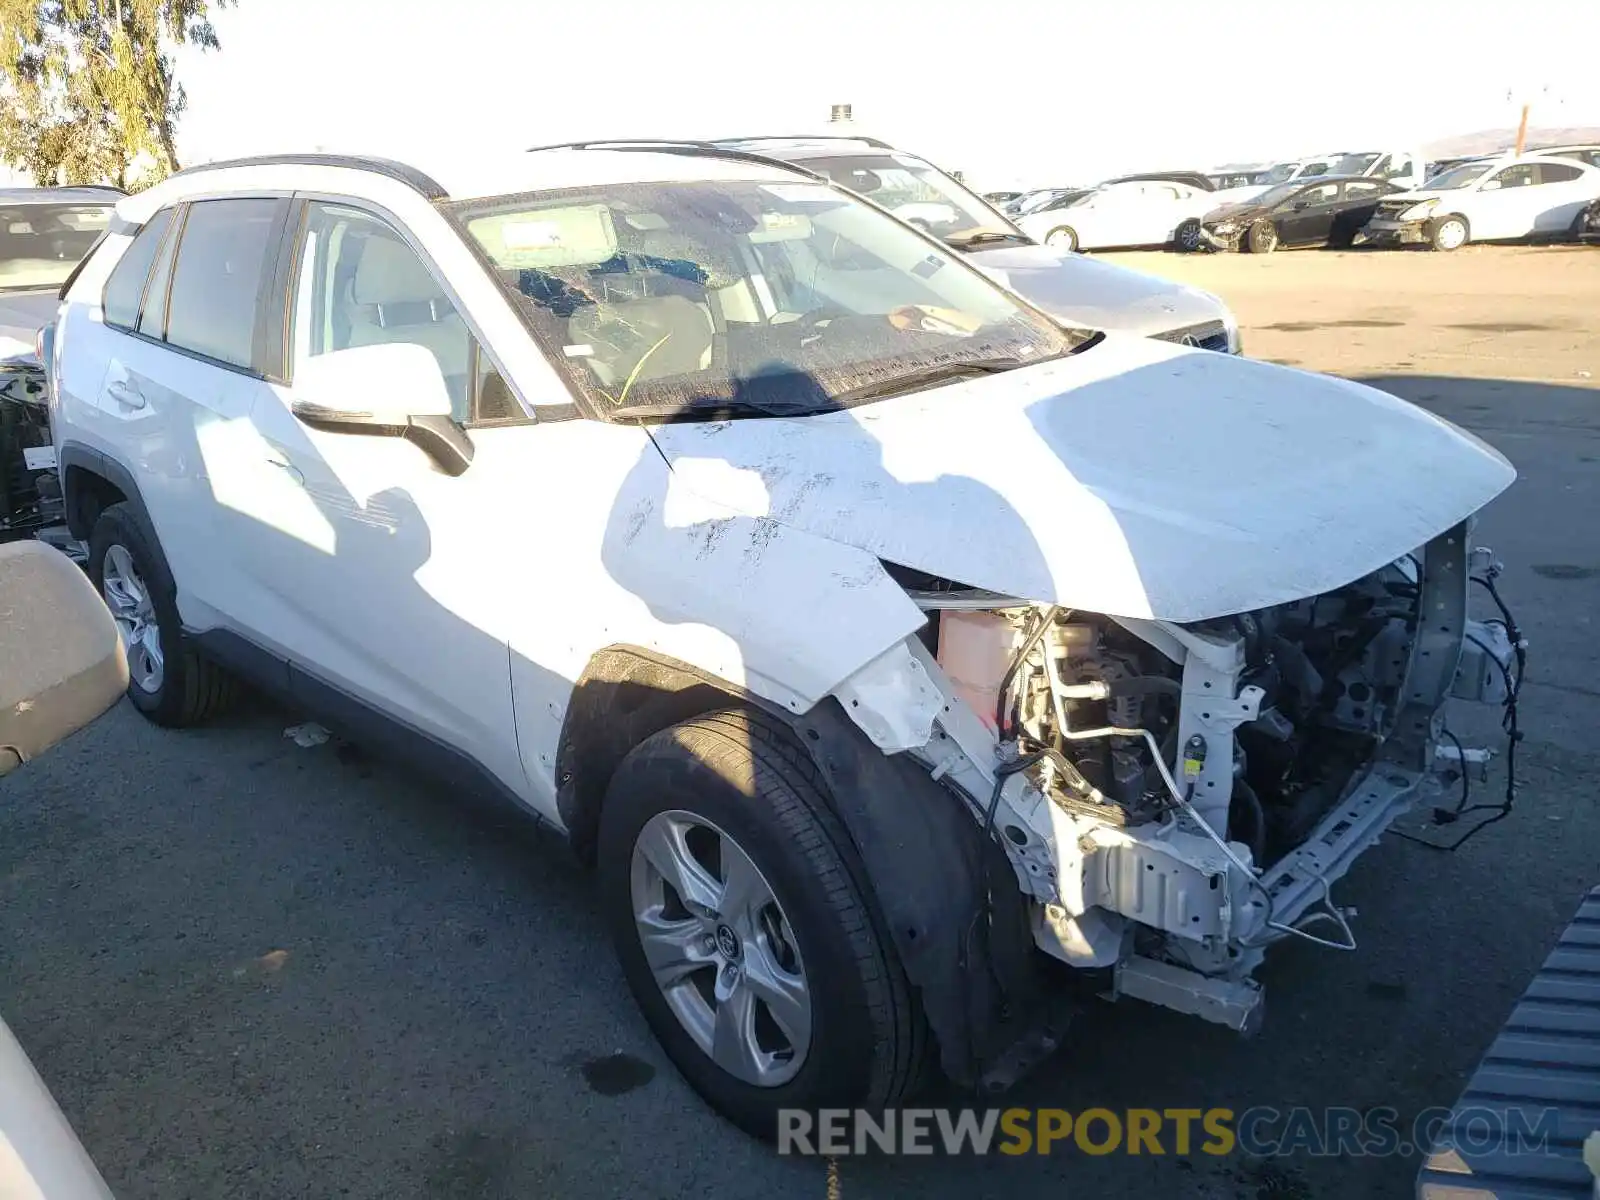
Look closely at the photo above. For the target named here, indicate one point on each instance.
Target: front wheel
(733, 896)
(1262, 237)
(1062, 238)
(1448, 233)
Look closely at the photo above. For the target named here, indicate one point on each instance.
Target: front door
(1507, 203)
(1310, 216)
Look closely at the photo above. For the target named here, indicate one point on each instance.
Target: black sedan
(1325, 211)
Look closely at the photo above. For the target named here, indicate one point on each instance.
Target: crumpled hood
(1136, 478)
(1241, 195)
(1092, 294)
(1232, 212)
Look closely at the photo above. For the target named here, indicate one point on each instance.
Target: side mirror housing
(391, 390)
(61, 660)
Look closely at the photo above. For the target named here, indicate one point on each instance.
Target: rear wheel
(168, 681)
(734, 899)
(1062, 237)
(1448, 233)
(1262, 237)
(1188, 236)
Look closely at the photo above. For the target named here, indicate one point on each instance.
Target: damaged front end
(1175, 798)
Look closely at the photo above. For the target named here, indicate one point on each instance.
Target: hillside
(1489, 141)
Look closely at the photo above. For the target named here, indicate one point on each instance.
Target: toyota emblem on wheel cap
(728, 942)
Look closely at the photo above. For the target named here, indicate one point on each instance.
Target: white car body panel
(1094, 481)
(40, 1157)
(1123, 214)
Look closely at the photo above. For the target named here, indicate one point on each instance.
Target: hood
(1233, 212)
(1418, 195)
(1135, 478)
(1090, 293)
(22, 315)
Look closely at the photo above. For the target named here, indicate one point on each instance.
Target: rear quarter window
(125, 287)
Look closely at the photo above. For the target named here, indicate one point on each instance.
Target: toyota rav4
(882, 642)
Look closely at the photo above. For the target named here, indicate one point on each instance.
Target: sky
(1012, 92)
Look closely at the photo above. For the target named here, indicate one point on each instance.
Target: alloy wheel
(128, 598)
(721, 949)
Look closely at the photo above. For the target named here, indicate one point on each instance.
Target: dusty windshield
(666, 300)
(1457, 177)
(915, 192)
(41, 243)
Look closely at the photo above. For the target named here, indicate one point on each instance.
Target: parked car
(1587, 227)
(1584, 153)
(1074, 290)
(1326, 211)
(1046, 198)
(1493, 199)
(1120, 214)
(768, 549)
(44, 232)
(1001, 199)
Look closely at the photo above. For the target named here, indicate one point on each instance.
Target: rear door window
(1558, 172)
(217, 277)
(125, 288)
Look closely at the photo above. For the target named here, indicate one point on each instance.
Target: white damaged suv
(881, 642)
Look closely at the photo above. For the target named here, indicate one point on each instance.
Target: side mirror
(61, 660)
(390, 390)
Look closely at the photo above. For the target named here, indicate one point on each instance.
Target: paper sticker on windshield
(800, 193)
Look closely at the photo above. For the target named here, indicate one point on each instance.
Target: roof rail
(387, 167)
(875, 143)
(686, 146)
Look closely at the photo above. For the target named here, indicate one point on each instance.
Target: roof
(471, 177)
(61, 195)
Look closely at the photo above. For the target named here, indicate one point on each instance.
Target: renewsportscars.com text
(1261, 1131)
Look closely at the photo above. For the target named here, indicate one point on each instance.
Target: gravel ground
(251, 969)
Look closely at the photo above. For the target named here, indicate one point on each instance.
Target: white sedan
(1142, 213)
(1537, 195)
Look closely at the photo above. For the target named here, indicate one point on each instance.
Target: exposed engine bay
(1175, 798)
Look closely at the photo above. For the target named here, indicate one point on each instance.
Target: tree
(87, 89)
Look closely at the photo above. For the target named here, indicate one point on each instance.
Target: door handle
(125, 394)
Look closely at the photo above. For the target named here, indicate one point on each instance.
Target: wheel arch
(923, 858)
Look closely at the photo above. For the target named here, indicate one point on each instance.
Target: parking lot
(248, 968)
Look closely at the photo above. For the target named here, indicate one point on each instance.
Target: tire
(1448, 233)
(1262, 237)
(736, 778)
(1063, 237)
(168, 680)
(1187, 238)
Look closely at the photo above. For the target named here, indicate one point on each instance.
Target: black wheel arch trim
(926, 863)
(75, 456)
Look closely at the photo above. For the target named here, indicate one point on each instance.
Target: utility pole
(1522, 130)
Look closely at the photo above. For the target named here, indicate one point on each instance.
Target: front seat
(394, 299)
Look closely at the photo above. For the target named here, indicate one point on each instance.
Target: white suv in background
(1075, 290)
(854, 618)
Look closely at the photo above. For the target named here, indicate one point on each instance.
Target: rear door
(180, 314)
(1358, 200)
(1564, 188)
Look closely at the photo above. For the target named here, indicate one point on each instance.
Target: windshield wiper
(711, 408)
(984, 236)
(916, 381)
